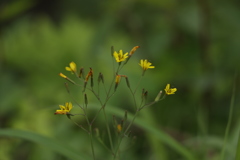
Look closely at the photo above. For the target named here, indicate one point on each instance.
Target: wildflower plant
(87, 83)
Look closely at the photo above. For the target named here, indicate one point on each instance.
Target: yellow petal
(125, 56)
(120, 53)
(73, 66)
(174, 90)
(69, 106)
(62, 107)
(141, 63)
(60, 112)
(168, 86)
(169, 90)
(68, 68)
(115, 54)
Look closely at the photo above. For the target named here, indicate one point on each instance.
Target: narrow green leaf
(50, 143)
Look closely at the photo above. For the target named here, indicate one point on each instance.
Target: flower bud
(62, 75)
(112, 50)
(84, 86)
(127, 81)
(118, 77)
(92, 84)
(85, 99)
(133, 50)
(158, 96)
(145, 95)
(100, 78)
(81, 72)
(90, 74)
(97, 132)
(119, 128)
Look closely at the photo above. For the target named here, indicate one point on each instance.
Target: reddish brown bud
(81, 72)
(133, 50)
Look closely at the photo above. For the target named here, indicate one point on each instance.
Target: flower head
(64, 109)
(72, 67)
(145, 64)
(120, 56)
(169, 90)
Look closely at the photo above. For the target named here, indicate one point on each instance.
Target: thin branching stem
(90, 134)
(108, 129)
(122, 136)
(80, 126)
(91, 139)
(138, 84)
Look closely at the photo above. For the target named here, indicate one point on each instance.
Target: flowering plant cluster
(87, 84)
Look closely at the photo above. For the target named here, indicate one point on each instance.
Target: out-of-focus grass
(34, 51)
(49, 143)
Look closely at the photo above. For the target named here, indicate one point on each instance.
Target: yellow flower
(145, 64)
(169, 90)
(120, 56)
(64, 109)
(72, 67)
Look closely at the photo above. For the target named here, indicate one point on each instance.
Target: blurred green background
(194, 46)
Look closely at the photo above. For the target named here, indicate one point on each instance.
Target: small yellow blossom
(120, 56)
(72, 67)
(64, 109)
(169, 90)
(145, 64)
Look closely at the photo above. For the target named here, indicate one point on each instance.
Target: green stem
(90, 133)
(229, 120)
(135, 116)
(108, 130)
(91, 139)
(238, 149)
(105, 116)
(80, 126)
(138, 84)
(135, 104)
(104, 145)
(125, 132)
